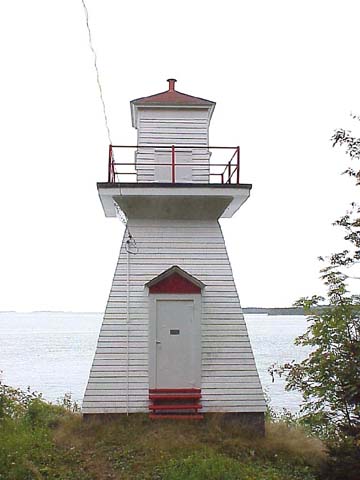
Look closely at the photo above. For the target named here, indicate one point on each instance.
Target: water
(52, 352)
(272, 338)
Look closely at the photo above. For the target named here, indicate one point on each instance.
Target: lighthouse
(173, 340)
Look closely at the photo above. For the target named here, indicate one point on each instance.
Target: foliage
(14, 401)
(344, 459)
(351, 220)
(26, 447)
(68, 403)
(329, 378)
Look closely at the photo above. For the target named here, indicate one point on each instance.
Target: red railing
(227, 172)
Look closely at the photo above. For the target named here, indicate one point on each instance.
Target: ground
(48, 442)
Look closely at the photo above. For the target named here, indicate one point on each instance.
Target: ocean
(51, 352)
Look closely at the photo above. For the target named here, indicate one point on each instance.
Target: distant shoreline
(274, 310)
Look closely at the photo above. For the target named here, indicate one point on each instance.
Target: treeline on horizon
(275, 310)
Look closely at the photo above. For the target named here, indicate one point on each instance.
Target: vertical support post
(222, 178)
(173, 163)
(229, 172)
(238, 165)
(109, 165)
(127, 323)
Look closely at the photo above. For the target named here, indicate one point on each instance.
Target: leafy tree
(329, 378)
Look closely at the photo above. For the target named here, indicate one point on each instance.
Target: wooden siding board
(240, 372)
(114, 373)
(227, 386)
(229, 377)
(113, 404)
(245, 377)
(118, 386)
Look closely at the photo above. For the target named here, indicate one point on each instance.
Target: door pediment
(175, 280)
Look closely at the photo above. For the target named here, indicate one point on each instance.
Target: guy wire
(97, 70)
(131, 243)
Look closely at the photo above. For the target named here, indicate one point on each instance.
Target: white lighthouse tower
(173, 341)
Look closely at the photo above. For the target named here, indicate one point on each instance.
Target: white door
(163, 171)
(174, 346)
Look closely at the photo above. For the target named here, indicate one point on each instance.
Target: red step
(185, 396)
(175, 403)
(195, 416)
(182, 406)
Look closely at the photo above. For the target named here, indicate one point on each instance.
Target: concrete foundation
(252, 423)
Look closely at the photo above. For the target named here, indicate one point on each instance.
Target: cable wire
(86, 12)
(131, 244)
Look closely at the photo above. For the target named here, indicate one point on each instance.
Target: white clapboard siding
(119, 380)
(172, 127)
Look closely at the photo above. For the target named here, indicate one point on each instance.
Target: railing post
(109, 165)
(238, 165)
(173, 163)
(229, 172)
(222, 178)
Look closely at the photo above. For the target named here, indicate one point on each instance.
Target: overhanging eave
(167, 200)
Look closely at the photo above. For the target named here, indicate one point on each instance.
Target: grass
(138, 449)
(42, 441)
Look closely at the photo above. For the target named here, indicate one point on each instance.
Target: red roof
(172, 97)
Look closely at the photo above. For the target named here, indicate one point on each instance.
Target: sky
(284, 75)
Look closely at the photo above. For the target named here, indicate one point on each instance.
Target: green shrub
(21, 448)
(68, 403)
(14, 401)
(42, 414)
(344, 459)
(26, 446)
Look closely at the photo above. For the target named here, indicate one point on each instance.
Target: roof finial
(171, 84)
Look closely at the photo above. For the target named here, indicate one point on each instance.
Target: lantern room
(167, 119)
(173, 171)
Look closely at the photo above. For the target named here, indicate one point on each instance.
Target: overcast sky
(284, 75)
